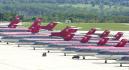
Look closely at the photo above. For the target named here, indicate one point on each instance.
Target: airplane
(16, 38)
(123, 60)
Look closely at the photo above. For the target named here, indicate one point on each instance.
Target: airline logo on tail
(13, 23)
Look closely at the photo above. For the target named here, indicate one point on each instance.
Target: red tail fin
(102, 41)
(64, 32)
(13, 23)
(68, 37)
(50, 26)
(118, 35)
(35, 27)
(122, 43)
(105, 33)
(59, 33)
(85, 39)
(36, 22)
(91, 31)
(66, 29)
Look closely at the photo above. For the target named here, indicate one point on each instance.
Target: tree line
(61, 10)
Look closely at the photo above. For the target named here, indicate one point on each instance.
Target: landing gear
(64, 54)
(75, 57)
(18, 45)
(33, 48)
(84, 57)
(105, 61)
(7, 43)
(44, 54)
(48, 51)
(120, 64)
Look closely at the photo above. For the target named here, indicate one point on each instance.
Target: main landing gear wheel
(75, 57)
(44, 54)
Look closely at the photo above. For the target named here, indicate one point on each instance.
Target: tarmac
(25, 58)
